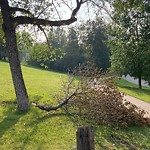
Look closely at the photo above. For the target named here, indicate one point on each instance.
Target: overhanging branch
(40, 27)
(35, 21)
(19, 20)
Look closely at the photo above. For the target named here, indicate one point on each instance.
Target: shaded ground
(144, 105)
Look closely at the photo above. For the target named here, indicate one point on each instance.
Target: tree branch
(56, 11)
(40, 27)
(15, 9)
(74, 12)
(50, 108)
(35, 21)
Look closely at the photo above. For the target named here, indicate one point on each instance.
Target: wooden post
(85, 138)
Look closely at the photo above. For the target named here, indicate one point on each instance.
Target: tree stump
(85, 138)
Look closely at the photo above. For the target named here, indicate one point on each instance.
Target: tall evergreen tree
(94, 38)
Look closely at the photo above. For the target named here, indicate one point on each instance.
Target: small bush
(98, 100)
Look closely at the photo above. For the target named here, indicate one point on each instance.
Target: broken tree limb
(50, 108)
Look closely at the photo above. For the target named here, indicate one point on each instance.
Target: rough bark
(12, 51)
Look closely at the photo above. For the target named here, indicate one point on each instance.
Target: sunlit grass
(133, 90)
(42, 85)
(35, 130)
(39, 130)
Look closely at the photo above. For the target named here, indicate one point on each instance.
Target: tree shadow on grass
(134, 137)
(10, 116)
(34, 125)
(47, 116)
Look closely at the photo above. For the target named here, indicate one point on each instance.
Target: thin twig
(47, 39)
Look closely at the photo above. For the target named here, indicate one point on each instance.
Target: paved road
(135, 81)
(144, 105)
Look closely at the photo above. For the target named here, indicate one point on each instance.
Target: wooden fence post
(85, 138)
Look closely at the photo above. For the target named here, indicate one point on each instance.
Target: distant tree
(62, 53)
(73, 54)
(57, 38)
(94, 37)
(130, 38)
(49, 55)
(25, 43)
(84, 43)
(40, 54)
(57, 41)
(65, 52)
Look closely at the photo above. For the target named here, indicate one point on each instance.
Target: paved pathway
(144, 105)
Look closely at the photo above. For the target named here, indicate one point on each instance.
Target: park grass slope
(37, 129)
(133, 90)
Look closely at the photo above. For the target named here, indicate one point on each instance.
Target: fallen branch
(50, 108)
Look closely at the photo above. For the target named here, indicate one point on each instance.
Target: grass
(133, 90)
(39, 130)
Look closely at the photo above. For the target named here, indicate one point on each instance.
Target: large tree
(34, 12)
(130, 39)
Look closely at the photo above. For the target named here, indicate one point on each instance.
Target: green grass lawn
(39, 130)
(133, 90)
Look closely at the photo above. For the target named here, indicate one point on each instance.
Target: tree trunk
(12, 52)
(140, 83)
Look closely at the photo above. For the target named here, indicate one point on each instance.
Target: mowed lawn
(133, 90)
(39, 130)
